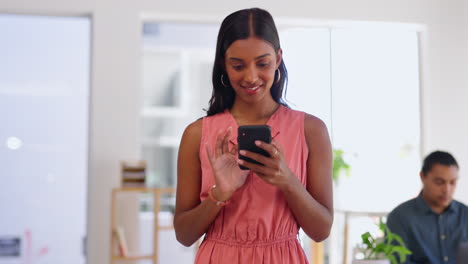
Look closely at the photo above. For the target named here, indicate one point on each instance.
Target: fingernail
(240, 161)
(258, 142)
(242, 152)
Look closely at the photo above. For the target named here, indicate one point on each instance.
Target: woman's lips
(252, 89)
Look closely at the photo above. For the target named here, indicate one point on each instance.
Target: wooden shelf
(157, 192)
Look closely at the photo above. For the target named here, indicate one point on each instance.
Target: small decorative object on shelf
(121, 241)
(133, 173)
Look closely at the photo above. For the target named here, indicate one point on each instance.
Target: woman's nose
(251, 75)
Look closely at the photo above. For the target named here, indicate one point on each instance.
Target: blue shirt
(433, 238)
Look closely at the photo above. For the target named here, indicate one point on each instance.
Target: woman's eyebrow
(262, 56)
(259, 57)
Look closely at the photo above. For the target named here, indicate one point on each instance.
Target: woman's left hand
(275, 170)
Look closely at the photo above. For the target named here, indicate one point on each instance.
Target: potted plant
(382, 250)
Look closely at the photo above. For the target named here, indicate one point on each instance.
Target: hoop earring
(222, 82)
(279, 76)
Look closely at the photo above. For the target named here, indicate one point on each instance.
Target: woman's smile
(251, 89)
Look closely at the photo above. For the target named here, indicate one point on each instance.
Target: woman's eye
(263, 65)
(237, 67)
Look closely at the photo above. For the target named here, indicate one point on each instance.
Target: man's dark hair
(438, 157)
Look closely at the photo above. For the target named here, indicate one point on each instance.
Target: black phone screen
(246, 136)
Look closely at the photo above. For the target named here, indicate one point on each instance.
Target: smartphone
(246, 136)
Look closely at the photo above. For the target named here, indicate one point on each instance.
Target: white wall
(116, 90)
(445, 110)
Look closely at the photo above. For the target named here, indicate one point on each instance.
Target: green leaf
(339, 165)
(392, 259)
(390, 247)
(366, 239)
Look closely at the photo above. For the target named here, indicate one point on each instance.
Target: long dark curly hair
(234, 27)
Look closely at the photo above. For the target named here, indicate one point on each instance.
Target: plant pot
(371, 261)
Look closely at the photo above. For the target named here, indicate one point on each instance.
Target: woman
(252, 216)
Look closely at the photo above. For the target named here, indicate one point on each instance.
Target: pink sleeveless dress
(257, 225)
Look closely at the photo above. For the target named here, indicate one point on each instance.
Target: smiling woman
(253, 215)
(249, 73)
(237, 32)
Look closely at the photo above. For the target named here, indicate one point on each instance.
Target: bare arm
(313, 208)
(192, 217)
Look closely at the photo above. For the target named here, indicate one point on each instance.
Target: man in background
(432, 225)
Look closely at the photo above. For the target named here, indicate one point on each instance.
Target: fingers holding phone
(274, 149)
(268, 157)
(271, 167)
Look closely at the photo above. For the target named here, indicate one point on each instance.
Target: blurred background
(86, 85)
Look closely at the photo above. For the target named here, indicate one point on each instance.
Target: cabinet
(156, 194)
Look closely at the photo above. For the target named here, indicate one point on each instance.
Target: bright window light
(14, 143)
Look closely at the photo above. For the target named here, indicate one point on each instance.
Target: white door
(44, 98)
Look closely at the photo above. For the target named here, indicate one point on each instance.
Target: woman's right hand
(228, 176)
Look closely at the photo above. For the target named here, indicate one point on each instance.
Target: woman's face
(251, 64)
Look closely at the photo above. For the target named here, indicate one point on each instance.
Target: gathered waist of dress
(252, 243)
